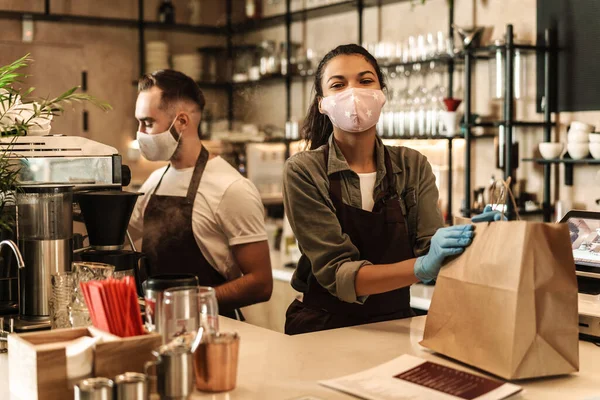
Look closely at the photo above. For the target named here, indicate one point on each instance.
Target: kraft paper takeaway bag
(508, 304)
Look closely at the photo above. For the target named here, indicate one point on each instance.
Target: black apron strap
(197, 175)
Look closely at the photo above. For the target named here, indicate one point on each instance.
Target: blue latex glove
(446, 242)
(488, 215)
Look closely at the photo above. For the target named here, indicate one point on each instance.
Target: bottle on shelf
(166, 12)
(254, 9)
(195, 10)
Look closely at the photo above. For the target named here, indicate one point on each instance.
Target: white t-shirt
(227, 210)
(367, 186)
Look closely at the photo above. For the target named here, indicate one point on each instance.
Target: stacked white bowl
(551, 150)
(157, 56)
(595, 145)
(578, 140)
(189, 64)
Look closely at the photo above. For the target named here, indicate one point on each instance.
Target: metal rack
(508, 121)
(290, 17)
(230, 29)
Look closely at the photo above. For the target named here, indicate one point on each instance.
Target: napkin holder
(38, 362)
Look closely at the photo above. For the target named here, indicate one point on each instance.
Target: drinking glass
(209, 309)
(62, 292)
(85, 272)
(185, 310)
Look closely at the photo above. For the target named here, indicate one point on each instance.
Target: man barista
(197, 215)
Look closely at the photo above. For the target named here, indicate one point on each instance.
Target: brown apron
(169, 241)
(381, 237)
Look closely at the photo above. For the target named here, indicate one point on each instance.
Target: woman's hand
(446, 242)
(488, 215)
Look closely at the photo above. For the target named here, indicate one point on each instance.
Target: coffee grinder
(106, 215)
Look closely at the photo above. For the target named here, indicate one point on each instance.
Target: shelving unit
(230, 29)
(509, 122)
(290, 17)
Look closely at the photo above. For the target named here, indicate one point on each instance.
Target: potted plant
(22, 114)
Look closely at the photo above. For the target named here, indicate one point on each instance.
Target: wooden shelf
(439, 137)
(568, 162)
(199, 29)
(213, 85)
(495, 124)
(225, 85)
(585, 161)
(307, 14)
(73, 19)
(114, 22)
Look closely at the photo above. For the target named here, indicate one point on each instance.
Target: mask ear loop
(179, 134)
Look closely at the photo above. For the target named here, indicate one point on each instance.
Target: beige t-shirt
(227, 211)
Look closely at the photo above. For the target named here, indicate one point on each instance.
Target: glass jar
(185, 310)
(498, 73)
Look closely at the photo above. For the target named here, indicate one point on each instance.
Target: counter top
(276, 366)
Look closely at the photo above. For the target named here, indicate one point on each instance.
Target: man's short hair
(175, 86)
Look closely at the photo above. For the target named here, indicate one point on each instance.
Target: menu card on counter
(409, 377)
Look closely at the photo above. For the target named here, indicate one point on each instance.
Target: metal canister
(131, 386)
(94, 389)
(174, 372)
(153, 294)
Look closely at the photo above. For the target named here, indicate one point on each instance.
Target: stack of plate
(189, 64)
(157, 56)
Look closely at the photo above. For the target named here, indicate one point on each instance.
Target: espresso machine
(51, 170)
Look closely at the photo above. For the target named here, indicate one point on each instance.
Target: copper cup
(216, 362)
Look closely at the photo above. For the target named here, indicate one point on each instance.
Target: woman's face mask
(354, 109)
(160, 146)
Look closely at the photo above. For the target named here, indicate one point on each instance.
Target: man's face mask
(160, 146)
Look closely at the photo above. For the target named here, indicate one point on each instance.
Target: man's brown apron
(169, 241)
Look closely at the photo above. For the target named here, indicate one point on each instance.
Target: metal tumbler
(174, 372)
(94, 389)
(131, 386)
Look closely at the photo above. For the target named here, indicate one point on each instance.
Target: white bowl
(594, 137)
(582, 126)
(551, 150)
(595, 150)
(577, 136)
(578, 151)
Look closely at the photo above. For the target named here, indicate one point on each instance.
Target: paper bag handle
(503, 197)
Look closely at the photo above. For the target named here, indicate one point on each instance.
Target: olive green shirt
(327, 252)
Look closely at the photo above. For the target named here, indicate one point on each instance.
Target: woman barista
(365, 215)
